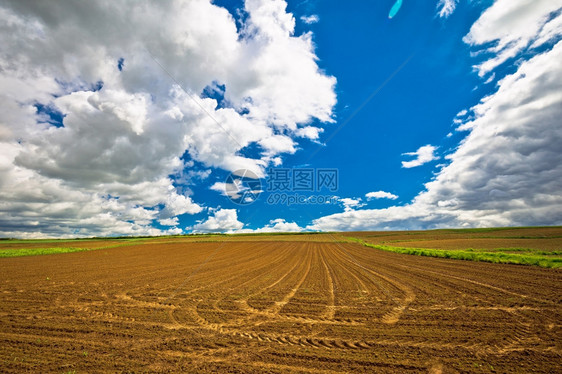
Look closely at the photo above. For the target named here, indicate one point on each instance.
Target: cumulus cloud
(351, 203)
(393, 218)
(126, 84)
(309, 132)
(508, 169)
(279, 225)
(510, 26)
(423, 155)
(169, 221)
(227, 189)
(309, 20)
(221, 220)
(446, 7)
(380, 195)
(48, 208)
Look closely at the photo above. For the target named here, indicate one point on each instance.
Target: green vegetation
(523, 250)
(39, 251)
(20, 252)
(536, 258)
(76, 240)
(25, 241)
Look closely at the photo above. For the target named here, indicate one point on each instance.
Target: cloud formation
(423, 155)
(309, 20)
(350, 204)
(103, 105)
(446, 7)
(221, 220)
(380, 195)
(169, 221)
(279, 225)
(509, 27)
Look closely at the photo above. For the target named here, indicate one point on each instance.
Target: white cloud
(380, 195)
(551, 31)
(222, 220)
(462, 113)
(309, 20)
(231, 190)
(169, 221)
(309, 132)
(393, 218)
(123, 138)
(351, 203)
(423, 155)
(280, 225)
(510, 26)
(490, 78)
(446, 7)
(276, 144)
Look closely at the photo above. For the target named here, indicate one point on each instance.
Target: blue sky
(136, 129)
(362, 48)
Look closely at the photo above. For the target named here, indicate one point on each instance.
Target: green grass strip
(20, 252)
(40, 251)
(494, 257)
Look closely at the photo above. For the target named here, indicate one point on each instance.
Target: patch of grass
(39, 251)
(494, 257)
(24, 241)
(528, 250)
(20, 252)
(548, 253)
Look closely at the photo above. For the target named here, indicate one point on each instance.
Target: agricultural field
(307, 303)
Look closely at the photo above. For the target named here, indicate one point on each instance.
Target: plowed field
(275, 306)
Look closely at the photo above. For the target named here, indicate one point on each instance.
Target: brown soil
(484, 244)
(534, 238)
(277, 307)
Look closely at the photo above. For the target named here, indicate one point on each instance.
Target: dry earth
(282, 305)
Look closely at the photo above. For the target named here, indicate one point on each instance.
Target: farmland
(317, 303)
